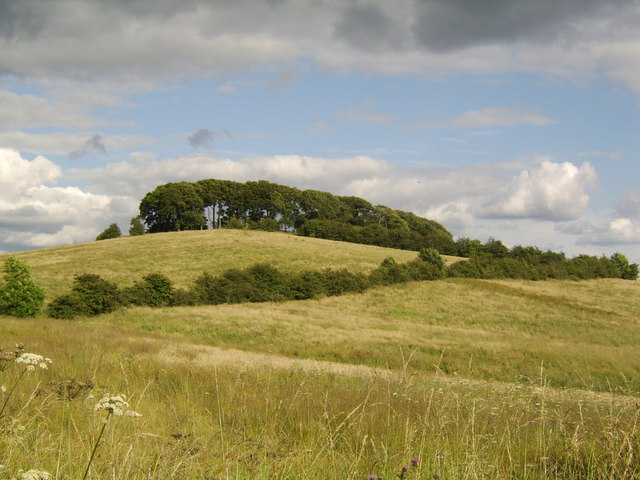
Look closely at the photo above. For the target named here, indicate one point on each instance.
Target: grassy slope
(255, 412)
(182, 256)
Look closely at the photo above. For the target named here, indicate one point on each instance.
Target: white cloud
(491, 117)
(555, 191)
(63, 143)
(35, 214)
(621, 231)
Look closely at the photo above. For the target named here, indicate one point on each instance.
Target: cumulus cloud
(35, 213)
(621, 231)
(555, 191)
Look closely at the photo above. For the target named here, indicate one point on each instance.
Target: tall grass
(251, 421)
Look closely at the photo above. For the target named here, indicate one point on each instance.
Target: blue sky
(507, 118)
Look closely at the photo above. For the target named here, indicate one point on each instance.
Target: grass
(183, 256)
(478, 379)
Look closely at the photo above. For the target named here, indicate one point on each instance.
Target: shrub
(182, 297)
(20, 295)
(67, 307)
(98, 294)
(155, 290)
(432, 256)
(112, 231)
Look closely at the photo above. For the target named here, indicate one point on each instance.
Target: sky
(510, 119)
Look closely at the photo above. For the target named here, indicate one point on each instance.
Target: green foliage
(387, 262)
(20, 296)
(136, 227)
(432, 256)
(268, 206)
(627, 271)
(155, 290)
(112, 231)
(529, 265)
(90, 295)
(67, 307)
(173, 207)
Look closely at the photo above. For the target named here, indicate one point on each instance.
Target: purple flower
(415, 461)
(373, 477)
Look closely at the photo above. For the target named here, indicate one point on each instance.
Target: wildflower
(3, 388)
(373, 477)
(116, 405)
(35, 475)
(33, 360)
(415, 461)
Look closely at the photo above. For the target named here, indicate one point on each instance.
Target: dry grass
(470, 376)
(225, 418)
(583, 334)
(182, 256)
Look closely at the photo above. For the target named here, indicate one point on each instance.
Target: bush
(112, 231)
(98, 294)
(20, 296)
(432, 257)
(67, 307)
(155, 290)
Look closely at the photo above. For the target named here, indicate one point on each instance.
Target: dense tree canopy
(264, 205)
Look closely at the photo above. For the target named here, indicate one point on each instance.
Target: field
(473, 379)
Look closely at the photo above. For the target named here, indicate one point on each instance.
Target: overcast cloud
(139, 41)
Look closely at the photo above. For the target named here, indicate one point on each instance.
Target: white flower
(3, 389)
(33, 360)
(35, 475)
(117, 405)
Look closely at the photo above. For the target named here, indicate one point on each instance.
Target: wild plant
(113, 405)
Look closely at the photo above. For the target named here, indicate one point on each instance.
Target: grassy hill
(476, 378)
(182, 256)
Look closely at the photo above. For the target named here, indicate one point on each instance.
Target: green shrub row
(583, 267)
(92, 295)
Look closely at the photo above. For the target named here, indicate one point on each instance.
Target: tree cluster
(268, 206)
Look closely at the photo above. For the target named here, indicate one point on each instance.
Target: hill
(502, 379)
(182, 256)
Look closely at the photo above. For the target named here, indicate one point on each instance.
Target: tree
(173, 207)
(112, 231)
(627, 271)
(136, 228)
(20, 296)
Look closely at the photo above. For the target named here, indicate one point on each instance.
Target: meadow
(448, 379)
